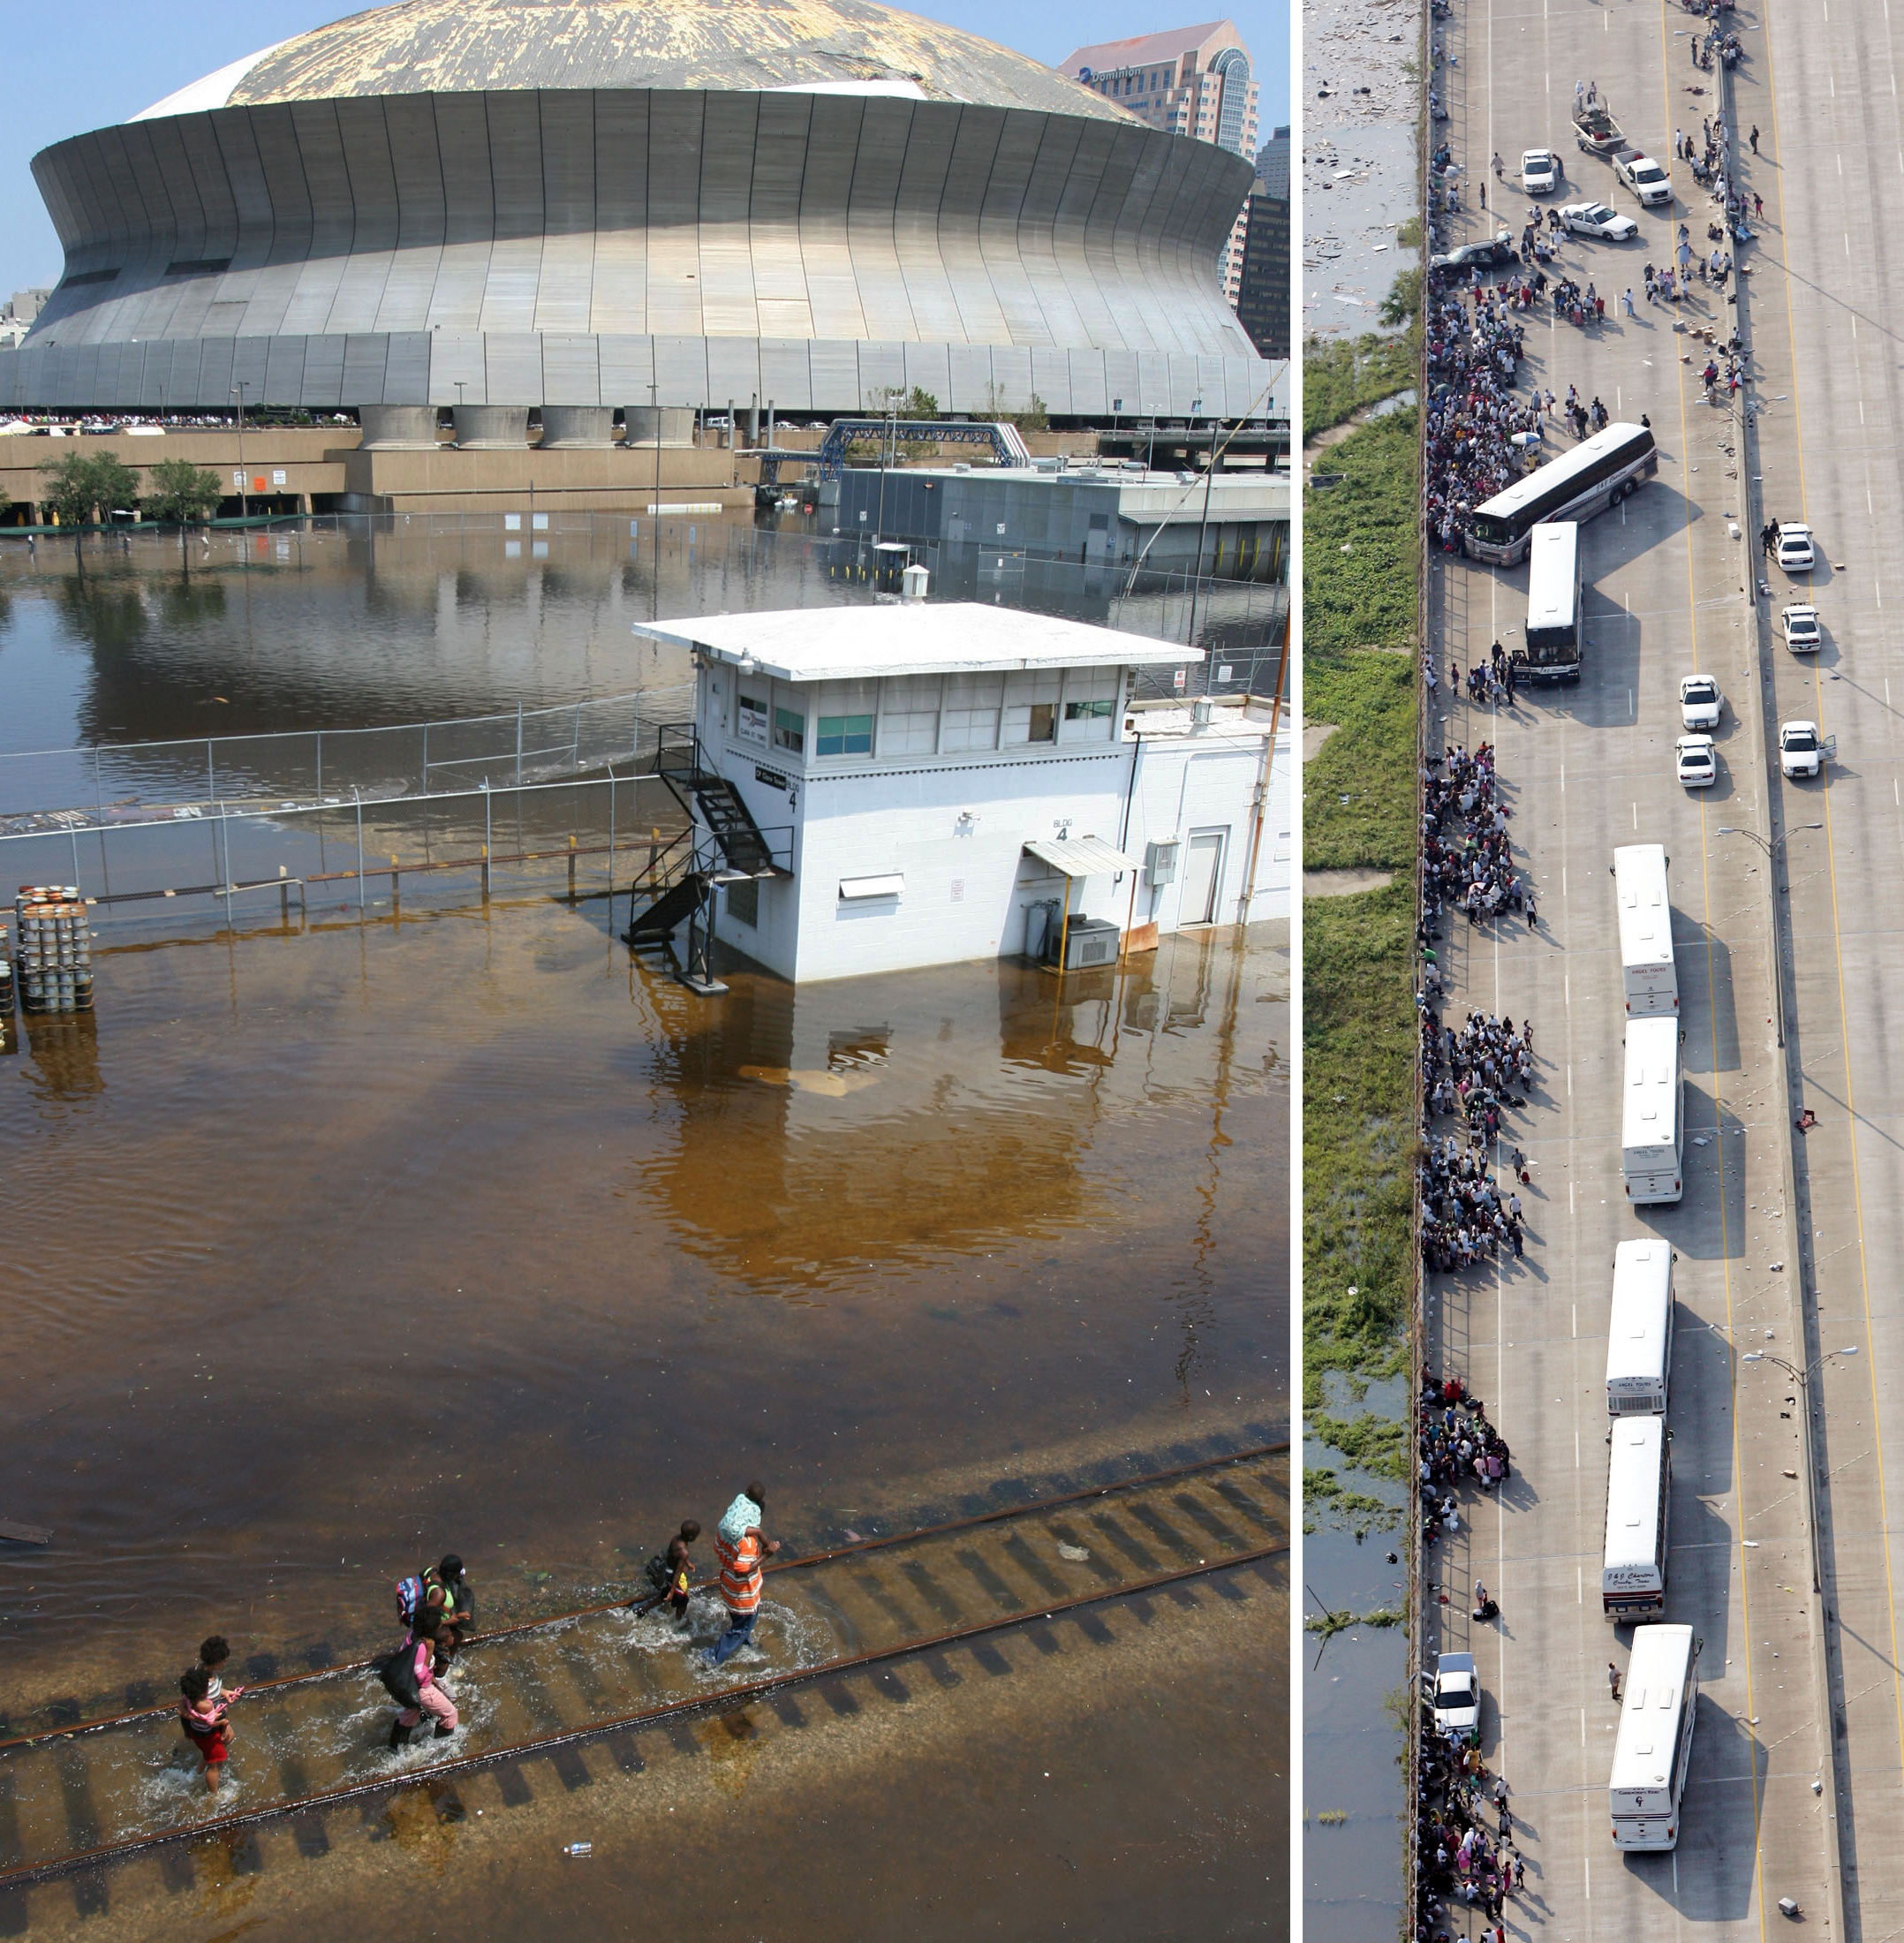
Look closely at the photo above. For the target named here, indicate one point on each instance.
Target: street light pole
(1770, 846)
(1802, 1378)
(238, 392)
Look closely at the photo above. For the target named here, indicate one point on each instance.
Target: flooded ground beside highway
(335, 1243)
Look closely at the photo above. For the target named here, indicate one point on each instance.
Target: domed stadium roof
(473, 46)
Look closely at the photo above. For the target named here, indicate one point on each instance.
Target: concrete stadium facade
(410, 218)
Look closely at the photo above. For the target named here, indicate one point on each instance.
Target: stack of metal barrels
(53, 948)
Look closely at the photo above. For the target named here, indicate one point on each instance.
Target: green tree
(80, 486)
(181, 493)
(1033, 418)
(70, 494)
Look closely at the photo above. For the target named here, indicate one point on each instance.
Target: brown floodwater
(330, 1247)
(330, 1244)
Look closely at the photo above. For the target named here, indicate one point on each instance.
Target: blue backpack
(409, 1599)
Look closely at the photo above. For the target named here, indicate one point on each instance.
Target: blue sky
(69, 69)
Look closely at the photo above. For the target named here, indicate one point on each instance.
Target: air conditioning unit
(1087, 941)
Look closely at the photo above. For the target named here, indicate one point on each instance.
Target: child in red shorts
(203, 1715)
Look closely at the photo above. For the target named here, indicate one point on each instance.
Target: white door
(1203, 875)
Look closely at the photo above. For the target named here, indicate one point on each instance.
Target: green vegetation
(1324, 1491)
(1403, 303)
(1359, 542)
(1378, 1445)
(180, 493)
(1343, 378)
(80, 486)
(1358, 1138)
(1360, 594)
(1329, 1624)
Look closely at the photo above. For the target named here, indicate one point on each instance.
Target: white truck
(1648, 181)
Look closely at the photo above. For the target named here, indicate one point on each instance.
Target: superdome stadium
(602, 204)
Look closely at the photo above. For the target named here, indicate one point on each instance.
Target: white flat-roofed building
(952, 782)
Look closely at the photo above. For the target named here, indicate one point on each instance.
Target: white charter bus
(1647, 973)
(1575, 486)
(1639, 1477)
(1553, 622)
(1653, 1748)
(1639, 1336)
(1652, 1119)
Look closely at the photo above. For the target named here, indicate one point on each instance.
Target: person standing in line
(741, 1546)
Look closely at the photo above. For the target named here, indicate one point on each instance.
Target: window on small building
(844, 735)
(909, 716)
(790, 730)
(972, 711)
(1091, 703)
(1031, 706)
(750, 718)
(743, 901)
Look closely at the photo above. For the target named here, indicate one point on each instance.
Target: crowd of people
(1467, 855)
(436, 1611)
(1477, 432)
(1455, 1444)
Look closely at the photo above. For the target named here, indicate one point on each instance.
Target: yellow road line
(1759, 1768)
(1838, 951)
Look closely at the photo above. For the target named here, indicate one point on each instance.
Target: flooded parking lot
(336, 1242)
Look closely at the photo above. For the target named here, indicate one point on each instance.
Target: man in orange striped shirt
(740, 1545)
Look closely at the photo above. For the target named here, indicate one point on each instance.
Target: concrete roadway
(1586, 770)
(1823, 314)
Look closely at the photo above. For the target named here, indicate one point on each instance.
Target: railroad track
(79, 1796)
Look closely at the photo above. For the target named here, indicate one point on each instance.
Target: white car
(1796, 554)
(1457, 1694)
(1700, 701)
(1698, 766)
(1540, 171)
(1595, 219)
(1802, 751)
(1801, 634)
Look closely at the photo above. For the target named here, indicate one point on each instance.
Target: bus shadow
(1700, 1225)
(1711, 1042)
(1702, 1881)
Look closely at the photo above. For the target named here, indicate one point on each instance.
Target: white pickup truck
(1648, 181)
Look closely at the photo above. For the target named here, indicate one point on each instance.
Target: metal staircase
(722, 844)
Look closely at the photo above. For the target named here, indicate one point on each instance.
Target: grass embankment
(1346, 376)
(1359, 611)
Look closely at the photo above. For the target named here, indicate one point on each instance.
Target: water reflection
(362, 623)
(467, 1231)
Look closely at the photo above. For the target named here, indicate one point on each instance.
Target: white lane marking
(1632, 711)
(1636, 816)
(1570, 1095)
(1586, 1863)
(1576, 1450)
(1570, 1184)
(1568, 979)
(1576, 1321)
(1840, 165)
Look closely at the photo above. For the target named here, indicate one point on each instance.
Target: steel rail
(674, 1710)
(103, 1722)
